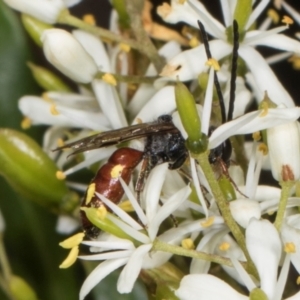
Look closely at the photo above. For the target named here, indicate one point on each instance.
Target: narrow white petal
(264, 246)
(107, 255)
(256, 12)
(167, 209)
(153, 189)
(137, 235)
(163, 102)
(252, 122)
(132, 269)
(204, 287)
(137, 208)
(111, 245)
(120, 212)
(100, 272)
(110, 103)
(282, 280)
(264, 77)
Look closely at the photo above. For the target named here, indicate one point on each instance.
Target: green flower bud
(29, 170)
(34, 28)
(21, 290)
(120, 7)
(186, 106)
(99, 219)
(47, 79)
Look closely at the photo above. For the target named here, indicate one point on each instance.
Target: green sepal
(227, 188)
(105, 224)
(34, 27)
(21, 290)
(29, 170)
(258, 294)
(166, 290)
(47, 79)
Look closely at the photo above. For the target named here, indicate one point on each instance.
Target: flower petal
(204, 287)
(264, 246)
(100, 272)
(132, 269)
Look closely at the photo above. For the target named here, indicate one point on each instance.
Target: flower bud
(29, 170)
(284, 149)
(47, 79)
(67, 55)
(44, 10)
(21, 290)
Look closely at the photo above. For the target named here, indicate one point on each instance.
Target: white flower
(189, 64)
(264, 246)
(135, 258)
(67, 55)
(44, 10)
(284, 149)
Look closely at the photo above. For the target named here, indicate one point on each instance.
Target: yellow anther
(287, 20)
(116, 171)
(272, 13)
(213, 63)
(71, 258)
(194, 42)
(264, 109)
(54, 110)
(298, 280)
(208, 222)
(271, 212)
(181, 1)
(188, 244)
(60, 142)
(295, 61)
(124, 47)
(89, 19)
(90, 193)
(46, 97)
(26, 123)
(263, 148)
(290, 247)
(102, 212)
(256, 136)
(126, 206)
(72, 241)
(224, 246)
(139, 121)
(110, 79)
(60, 175)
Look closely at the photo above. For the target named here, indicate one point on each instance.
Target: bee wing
(117, 136)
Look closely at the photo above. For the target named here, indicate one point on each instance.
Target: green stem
(134, 9)
(161, 246)
(67, 19)
(225, 210)
(285, 192)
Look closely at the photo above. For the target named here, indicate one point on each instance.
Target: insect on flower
(163, 143)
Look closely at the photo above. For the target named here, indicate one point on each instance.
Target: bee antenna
(216, 80)
(234, 64)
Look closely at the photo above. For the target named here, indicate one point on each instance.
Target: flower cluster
(223, 214)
